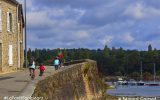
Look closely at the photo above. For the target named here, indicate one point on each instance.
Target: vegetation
(111, 61)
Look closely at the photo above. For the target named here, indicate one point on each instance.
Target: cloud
(135, 11)
(39, 19)
(127, 37)
(140, 11)
(81, 35)
(106, 39)
(92, 23)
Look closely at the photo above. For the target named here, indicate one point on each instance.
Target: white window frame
(10, 54)
(0, 19)
(10, 21)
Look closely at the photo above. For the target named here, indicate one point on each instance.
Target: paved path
(13, 83)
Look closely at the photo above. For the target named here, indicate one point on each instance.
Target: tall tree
(29, 54)
(106, 51)
(149, 47)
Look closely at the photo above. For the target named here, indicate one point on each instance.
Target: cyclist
(32, 67)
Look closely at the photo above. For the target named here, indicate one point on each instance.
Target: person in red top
(60, 57)
(41, 68)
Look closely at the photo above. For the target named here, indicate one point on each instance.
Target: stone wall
(14, 38)
(74, 82)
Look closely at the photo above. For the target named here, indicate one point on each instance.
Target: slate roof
(14, 1)
(20, 13)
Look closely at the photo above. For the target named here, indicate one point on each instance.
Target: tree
(106, 51)
(149, 47)
(64, 55)
(109, 61)
(36, 53)
(147, 76)
(29, 54)
(135, 75)
(134, 60)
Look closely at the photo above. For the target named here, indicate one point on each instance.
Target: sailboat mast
(154, 72)
(141, 70)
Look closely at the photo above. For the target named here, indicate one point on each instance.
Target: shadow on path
(5, 78)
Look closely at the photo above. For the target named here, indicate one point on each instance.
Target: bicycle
(32, 74)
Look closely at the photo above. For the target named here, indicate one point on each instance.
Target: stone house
(11, 35)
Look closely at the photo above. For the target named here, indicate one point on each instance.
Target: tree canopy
(110, 61)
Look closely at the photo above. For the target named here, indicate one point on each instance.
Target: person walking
(32, 66)
(41, 68)
(60, 57)
(56, 63)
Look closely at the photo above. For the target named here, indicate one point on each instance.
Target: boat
(132, 82)
(140, 83)
(124, 82)
(153, 83)
(120, 81)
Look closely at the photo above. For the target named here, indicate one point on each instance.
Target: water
(144, 91)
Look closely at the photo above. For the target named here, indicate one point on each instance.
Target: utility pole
(25, 35)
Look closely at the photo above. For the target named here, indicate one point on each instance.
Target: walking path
(12, 84)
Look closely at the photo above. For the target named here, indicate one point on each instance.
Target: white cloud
(135, 11)
(81, 35)
(70, 25)
(38, 19)
(127, 37)
(140, 11)
(106, 40)
(79, 12)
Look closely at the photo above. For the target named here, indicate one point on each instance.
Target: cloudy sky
(131, 24)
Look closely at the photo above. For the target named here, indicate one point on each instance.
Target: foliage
(147, 76)
(114, 61)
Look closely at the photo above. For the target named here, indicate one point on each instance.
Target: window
(9, 22)
(10, 55)
(0, 20)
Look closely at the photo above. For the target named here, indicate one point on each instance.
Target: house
(11, 35)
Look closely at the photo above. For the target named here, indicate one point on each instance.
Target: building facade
(11, 35)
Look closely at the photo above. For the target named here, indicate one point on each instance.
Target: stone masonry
(13, 37)
(79, 81)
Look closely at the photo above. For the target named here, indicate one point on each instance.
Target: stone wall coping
(30, 87)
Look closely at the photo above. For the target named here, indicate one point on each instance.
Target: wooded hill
(110, 61)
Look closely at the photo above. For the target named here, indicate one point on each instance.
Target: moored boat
(124, 82)
(132, 82)
(120, 81)
(152, 84)
(140, 83)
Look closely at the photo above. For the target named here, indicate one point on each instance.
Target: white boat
(132, 82)
(120, 81)
(140, 83)
(124, 82)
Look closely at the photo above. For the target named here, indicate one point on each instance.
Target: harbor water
(143, 91)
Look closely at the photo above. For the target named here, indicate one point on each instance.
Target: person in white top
(32, 66)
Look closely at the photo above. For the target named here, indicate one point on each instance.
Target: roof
(14, 1)
(20, 14)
